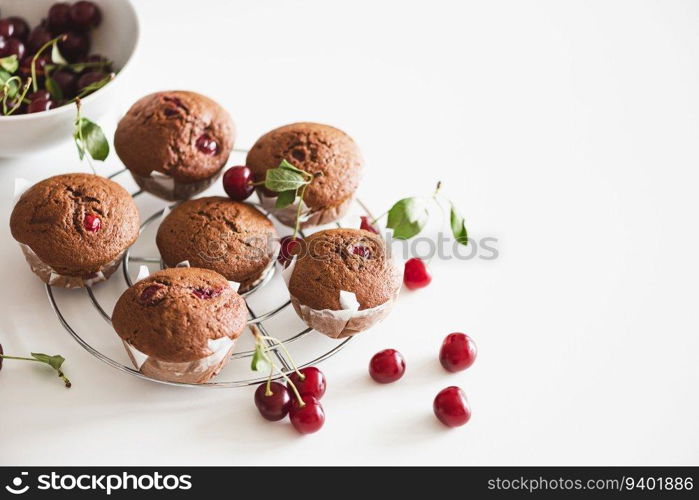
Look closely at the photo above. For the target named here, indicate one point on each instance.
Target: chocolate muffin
(180, 324)
(175, 143)
(229, 237)
(74, 228)
(322, 150)
(343, 281)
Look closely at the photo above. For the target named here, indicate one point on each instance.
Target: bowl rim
(89, 98)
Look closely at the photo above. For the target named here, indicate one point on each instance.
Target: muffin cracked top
(319, 149)
(229, 237)
(181, 134)
(76, 223)
(174, 313)
(353, 260)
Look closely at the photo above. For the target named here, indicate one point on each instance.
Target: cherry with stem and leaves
(56, 362)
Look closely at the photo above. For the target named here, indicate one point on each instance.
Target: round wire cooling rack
(254, 319)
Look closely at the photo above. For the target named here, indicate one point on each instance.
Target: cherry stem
(59, 38)
(60, 372)
(286, 351)
(265, 348)
(298, 211)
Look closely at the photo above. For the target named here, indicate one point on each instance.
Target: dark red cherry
(367, 226)
(152, 294)
(38, 37)
(207, 293)
(12, 46)
(89, 78)
(415, 275)
(1, 352)
(289, 246)
(362, 251)
(275, 404)
(237, 182)
(21, 27)
(91, 222)
(387, 366)
(7, 29)
(313, 383)
(41, 105)
(85, 15)
(207, 145)
(74, 46)
(451, 407)
(39, 94)
(66, 81)
(104, 63)
(58, 19)
(458, 352)
(308, 418)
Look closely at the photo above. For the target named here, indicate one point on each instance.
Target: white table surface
(567, 130)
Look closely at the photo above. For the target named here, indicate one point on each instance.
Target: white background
(566, 129)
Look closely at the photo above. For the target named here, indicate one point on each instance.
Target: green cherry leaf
(407, 217)
(282, 179)
(54, 362)
(90, 138)
(458, 226)
(9, 63)
(288, 166)
(53, 88)
(285, 198)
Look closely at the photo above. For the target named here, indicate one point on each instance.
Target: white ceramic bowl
(115, 38)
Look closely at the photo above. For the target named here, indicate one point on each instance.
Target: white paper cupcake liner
(50, 276)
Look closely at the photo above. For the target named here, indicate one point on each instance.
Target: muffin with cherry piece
(180, 324)
(229, 237)
(343, 281)
(175, 143)
(327, 153)
(74, 228)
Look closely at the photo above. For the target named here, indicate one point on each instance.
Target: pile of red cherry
(237, 182)
(74, 21)
(275, 401)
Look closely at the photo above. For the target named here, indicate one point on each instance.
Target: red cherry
(207, 293)
(362, 251)
(458, 352)
(12, 47)
(451, 407)
(91, 222)
(7, 28)
(274, 406)
(207, 145)
(387, 366)
(289, 246)
(366, 225)
(58, 19)
(40, 105)
(313, 383)
(237, 182)
(416, 275)
(20, 27)
(153, 294)
(308, 418)
(85, 15)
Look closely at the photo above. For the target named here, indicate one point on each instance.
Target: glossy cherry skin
(309, 418)
(387, 366)
(237, 182)
(40, 105)
(313, 383)
(12, 46)
(74, 46)
(275, 406)
(7, 29)
(38, 37)
(289, 246)
(88, 79)
(458, 352)
(366, 225)
(451, 407)
(207, 145)
(415, 275)
(91, 222)
(39, 94)
(85, 15)
(20, 26)
(58, 18)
